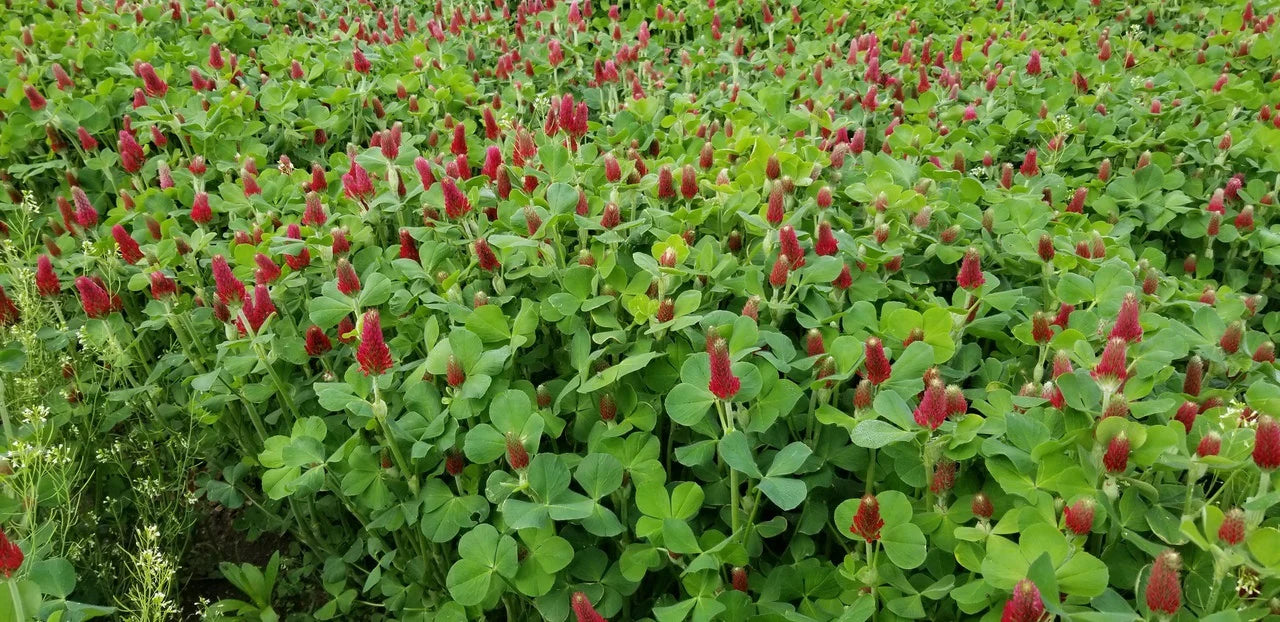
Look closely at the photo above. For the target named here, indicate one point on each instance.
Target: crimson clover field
(791, 310)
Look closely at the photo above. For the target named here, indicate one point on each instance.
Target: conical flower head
(373, 354)
(981, 506)
(93, 298)
(867, 521)
(970, 276)
(583, 610)
(1164, 592)
(162, 286)
(47, 282)
(1266, 444)
(1231, 532)
(485, 256)
(1026, 604)
(454, 374)
(932, 410)
(1127, 326)
(1231, 338)
(1187, 414)
(781, 268)
(739, 579)
(1111, 367)
(348, 281)
(1078, 516)
(517, 455)
(1210, 445)
(1194, 378)
(826, 243)
(230, 289)
(723, 384)
(10, 556)
(876, 363)
(790, 245)
(1116, 457)
(317, 342)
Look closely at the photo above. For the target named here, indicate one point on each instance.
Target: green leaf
(785, 493)
(688, 404)
(599, 474)
(905, 545)
(736, 453)
(790, 459)
(874, 434)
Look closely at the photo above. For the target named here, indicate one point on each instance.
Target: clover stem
(16, 597)
(381, 416)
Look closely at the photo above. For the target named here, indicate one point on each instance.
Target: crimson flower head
(356, 183)
(1210, 444)
(517, 455)
(47, 282)
(455, 202)
(86, 215)
(1112, 364)
(781, 268)
(1116, 458)
(303, 258)
(373, 354)
(1164, 593)
(485, 256)
(1029, 166)
(1266, 444)
(408, 246)
(1127, 326)
(666, 183)
(154, 85)
(724, 384)
(932, 410)
(128, 246)
(583, 610)
(1265, 352)
(359, 62)
(348, 281)
(739, 578)
(95, 300)
(688, 182)
(454, 374)
(1026, 604)
(826, 243)
(981, 506)
(459, 145)
(131, 155)
(876, 363)
(267, 271)
(608, 407)
(1230, 341)
(256, 310)
(970, 276)
(791, 246)
(34, 98)
(1041, 330)
(162, 285)
(776, 210)
(317, 341)
(1187, 414)
(200, 211)
(1232, 530)
(813, 344)
(867, 521)
(1078, 517)
(611, 216)
(1194, 378)
(944, 476)
(1033, 63)
(10, 556)
(230, 289)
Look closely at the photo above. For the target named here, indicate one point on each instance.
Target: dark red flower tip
(876, 363)
(485, 255)
(932, 410)
(1127, 326)
(1232, 530)
(93, 298)
(867, 521)
(317, 341)
(944, 476)
(1210, 444)
(581, 605)
(454, 374)
(348, 281)
(1266, 444)
(1026, 604)
(47, 282)
(781, 268)
(723, 383)
(10, 556)
(1231, 337)
(1112, 365)
(1116, 457)
(981, 506)
(1078, 517)
(1194, 378)
(1164, 592)
(373, 354)
(162, 285)
(739, 579)
(1187, 414)
(1041, 330)
(517, 455)
(970, 276)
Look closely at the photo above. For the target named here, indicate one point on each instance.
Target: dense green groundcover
(802, 310)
